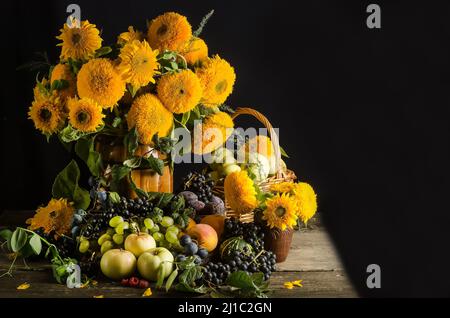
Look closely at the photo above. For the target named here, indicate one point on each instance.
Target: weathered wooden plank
(311, 250)
(315, 284)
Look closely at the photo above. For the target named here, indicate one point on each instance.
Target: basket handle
(272, 134)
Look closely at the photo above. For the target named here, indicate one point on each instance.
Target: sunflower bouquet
(119, 108)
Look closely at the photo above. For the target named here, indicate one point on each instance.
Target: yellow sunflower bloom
(138, 63)
(79, 42)
(63, 72)
(306, 201)
(55, 217)
(85, 114)
(129, 36)
(169, 31)
(179, 92)
(149, 116)
(213, 133)
(283, 187)
(280, 212)
(47, 115)
(99, 81)
(240, 192)
(217, 77)
(195, 51)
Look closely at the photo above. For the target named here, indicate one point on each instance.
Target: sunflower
(129, 36)
(283, 187)
(47, 115)
(217, 77)
(150, 117)
(79, 42)
(260, 144)
(169, 31)
(138, 63)
(240, 192)
(85, 114)
(280, 212)
(213, 133)
(195, 51)
(56, 217)
(180, 92)
(99, 81)
(63, 72)
(306, 201)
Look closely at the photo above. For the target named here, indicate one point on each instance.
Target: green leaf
(116, 122)
(241, 280)
(114, 197)
(160, 276)
(66, 186)
(36, 244)
(84, 148)
(183, 287)
(103, 51)
(18, 239)
(185, 118)
(6, 234)
(118, 173)
(203, 23)
(59, 84)
(171, 279)
(283, 153)
(155, 164)
(69, 134)
(134, 162)
(131, 141)
(132, 89)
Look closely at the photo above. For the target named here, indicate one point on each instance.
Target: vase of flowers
(285, 206)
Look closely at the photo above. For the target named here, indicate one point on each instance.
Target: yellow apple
(117, 264)
(139, 243)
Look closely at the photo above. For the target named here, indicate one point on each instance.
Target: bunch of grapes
(250, 232)
(199, 183)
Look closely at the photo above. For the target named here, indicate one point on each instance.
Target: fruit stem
(258, 255)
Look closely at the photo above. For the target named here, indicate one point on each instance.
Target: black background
(363, 113)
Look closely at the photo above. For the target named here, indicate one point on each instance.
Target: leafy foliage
(66, 186)
(243, 285)
(203, 23)
(84, 148)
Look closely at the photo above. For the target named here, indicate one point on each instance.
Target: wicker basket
(282, 175)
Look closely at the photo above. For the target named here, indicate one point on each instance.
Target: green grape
(171, 237)
(165, 243)
(166, 221)
(154, 229)
(118, 238)
(84, 246)
(115, 221)
(122, 227)
(149, 223)
(106, 246)
(105, 237)
(173, 229)
(158, 236)
(110, 231)
(157, 218)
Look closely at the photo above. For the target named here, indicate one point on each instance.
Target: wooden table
(312, 258)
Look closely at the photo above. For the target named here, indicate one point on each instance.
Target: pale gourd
(258, 165)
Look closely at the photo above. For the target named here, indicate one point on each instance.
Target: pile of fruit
(166, 237)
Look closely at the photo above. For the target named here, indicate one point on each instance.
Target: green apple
(139, 243)
(117, 264)
(149, 262)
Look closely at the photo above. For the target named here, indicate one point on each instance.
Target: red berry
(125, 282)
(133, 281)
(143, 283)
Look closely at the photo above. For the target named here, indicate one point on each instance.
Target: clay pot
(279, 242)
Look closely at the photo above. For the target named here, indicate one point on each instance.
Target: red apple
(205, 235)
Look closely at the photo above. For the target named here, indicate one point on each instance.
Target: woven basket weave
(282, 175)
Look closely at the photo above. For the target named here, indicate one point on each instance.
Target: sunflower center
(280, 211)
(221, 86)
(83, 117)
(181, 91)
(162, 30)
(76, 37)
(45, 115)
